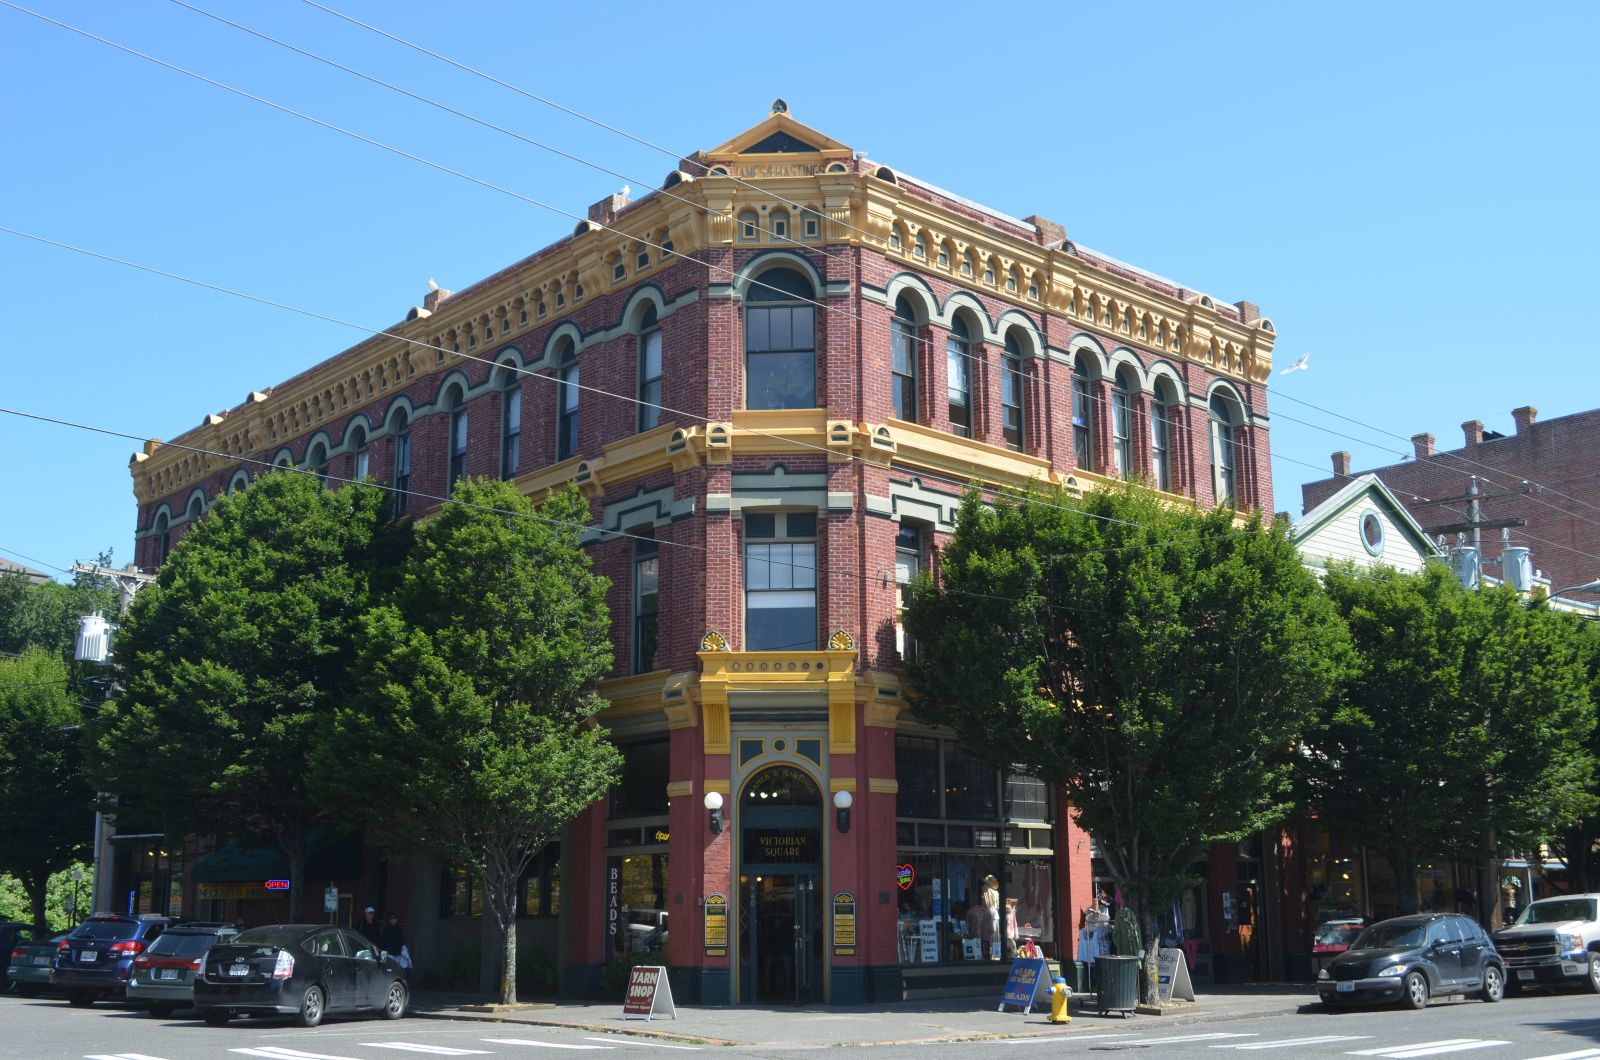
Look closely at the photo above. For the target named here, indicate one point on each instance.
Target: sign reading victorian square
(782, 846)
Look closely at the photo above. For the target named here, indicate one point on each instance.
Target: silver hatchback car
(162, 980)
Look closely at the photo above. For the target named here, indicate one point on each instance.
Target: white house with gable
(1365, 525)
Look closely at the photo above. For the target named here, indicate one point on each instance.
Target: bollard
(1060, 995)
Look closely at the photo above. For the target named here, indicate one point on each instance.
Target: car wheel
(216, 1017)
(310, 1013)
(1414, 991)
(394, 1003)
(1494, 983)
(80, 998)
(1593, 982)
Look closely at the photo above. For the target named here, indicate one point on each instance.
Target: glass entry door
(780, 944)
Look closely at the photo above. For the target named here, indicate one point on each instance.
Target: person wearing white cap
(369, 927)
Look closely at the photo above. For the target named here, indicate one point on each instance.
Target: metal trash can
(1078, 978)
(1119, 983)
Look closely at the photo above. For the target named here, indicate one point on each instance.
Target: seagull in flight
(1298, 366)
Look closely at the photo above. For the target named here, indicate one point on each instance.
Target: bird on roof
(432, 286)
(625, 190)
(1298, 366)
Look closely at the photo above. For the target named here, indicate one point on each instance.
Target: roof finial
(779, 106)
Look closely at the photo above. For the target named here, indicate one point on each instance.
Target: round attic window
(1372, 532)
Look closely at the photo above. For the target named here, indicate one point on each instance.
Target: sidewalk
(942, 1020)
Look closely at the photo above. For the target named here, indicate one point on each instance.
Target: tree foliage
(66, 899)
(1154, 662)
(231, 665)
(469, 738)
(1462, 727)
(46, 807)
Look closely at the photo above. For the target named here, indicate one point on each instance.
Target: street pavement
(1222, 1026)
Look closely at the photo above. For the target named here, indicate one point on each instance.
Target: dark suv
(96, 959)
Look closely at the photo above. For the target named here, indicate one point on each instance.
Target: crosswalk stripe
(542, 1045)
(1058, 1038)
(1581, 1054)
(276, 1052)
(119, 1056)
(652, 1045)
(1447, 1045)
(1289, 1043)
(436, 1050)
(1187, 1038)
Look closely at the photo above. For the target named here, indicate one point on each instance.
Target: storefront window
(643, 791)
(541, 883)
(969, 786)
(461, 895)
(1030, 904)
(636, 905)
(916, 765)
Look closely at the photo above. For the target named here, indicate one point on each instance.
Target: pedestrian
(369, 927)
(394, 942)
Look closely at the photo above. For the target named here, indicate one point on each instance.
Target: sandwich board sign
(649, 994)
(1172, 976)
(1028, 975)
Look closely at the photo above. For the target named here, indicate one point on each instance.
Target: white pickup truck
(1554, 940)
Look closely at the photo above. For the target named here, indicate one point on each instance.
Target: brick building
(773, 377)
(1544, 474)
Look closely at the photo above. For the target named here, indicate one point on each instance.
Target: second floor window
(510, 424)
(1082, 417)
(903, 343)
(1011, 393)
(402, 463)
(958, 369)
(780, 342)
(1122, 428)
(1223, 444)
(1161, 440)
(458, 438)
(646, 585)
(317, 461)
(649, 371)
(567, 403)
(907, 564)
(780, 581)
(359, 466)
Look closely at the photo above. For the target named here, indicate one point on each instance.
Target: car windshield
(1390, 936)
(176, 945)
(1337, 932)
(268, 937)
(1557, 910)
(106, 929)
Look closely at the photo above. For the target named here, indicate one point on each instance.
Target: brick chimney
(1249, 312)
(605, 211)
(1341, 464)
(431, 300)
(1423, 445)
(1524, 417)
(1473, 431)
(1050, 234)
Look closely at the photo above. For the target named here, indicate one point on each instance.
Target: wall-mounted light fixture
(714, 804)
(842, 801)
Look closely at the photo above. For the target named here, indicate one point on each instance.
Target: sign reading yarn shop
(782, 846)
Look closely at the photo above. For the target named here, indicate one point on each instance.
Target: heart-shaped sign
(905, 876)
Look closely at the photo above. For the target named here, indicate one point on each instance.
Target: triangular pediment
(778, 135)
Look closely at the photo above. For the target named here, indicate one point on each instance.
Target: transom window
(958, 370)
(780, 581)
(649, 370)
(780, 342)
(903, 340)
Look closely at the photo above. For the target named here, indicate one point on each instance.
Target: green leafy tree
(471, 739)
(65, 903)
(231, 665)
(1462, 727)
(46, 807)
(1155, 662)
(46, 615)
(1578, 844)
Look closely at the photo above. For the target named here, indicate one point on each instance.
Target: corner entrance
(780, 914)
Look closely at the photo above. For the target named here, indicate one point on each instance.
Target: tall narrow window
(402, 462)
(567, 402)
(510, 422)
(1223, 456)
(1011, 392)
(1122, 426)
(780, 342)
(958, 369)
(1161, 439)
(649, 370)
(646, 584)
(903, 340)
(907, 563)
(458, 437)
(163, 538)
(780, 581)
(359, 466)
(317, 463)
(1082, 416)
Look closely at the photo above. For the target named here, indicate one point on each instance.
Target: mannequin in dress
(991, 926)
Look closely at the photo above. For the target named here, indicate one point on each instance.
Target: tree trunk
(1152, 963)
(508, 963)
(37, 885)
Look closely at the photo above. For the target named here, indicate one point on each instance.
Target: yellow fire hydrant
(1060, 995)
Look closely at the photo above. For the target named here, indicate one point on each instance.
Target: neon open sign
(277, 885)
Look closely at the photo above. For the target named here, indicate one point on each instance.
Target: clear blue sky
(1406, 189)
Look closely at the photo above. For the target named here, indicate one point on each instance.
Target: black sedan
(302, 970)
(1412, 958)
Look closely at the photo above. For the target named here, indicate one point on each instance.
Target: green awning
(330, 855)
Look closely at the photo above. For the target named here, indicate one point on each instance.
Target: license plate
(166, 973)
(41, 960)
(1346, 988)
(239, 969)
(1525, 973)
(88, 956)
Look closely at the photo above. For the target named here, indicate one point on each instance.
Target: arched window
(458, 437)
(317, 462)
(958, 370)
(510, 420)
(1012, 393)
(1223, 456)
(903, 340)
(163, 538)
(197, 508)
(567, 393)
(1161, 436)
(921, 247)
(649, 370)
(402, 461)
(780, 342)
(1082, 416)
(1122, 425)
(357, 444)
